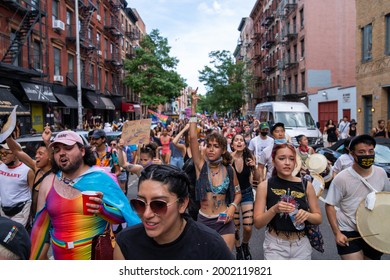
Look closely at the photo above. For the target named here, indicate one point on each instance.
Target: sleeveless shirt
(14, 185)
(277, 190)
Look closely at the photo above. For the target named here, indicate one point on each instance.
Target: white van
(295, 116)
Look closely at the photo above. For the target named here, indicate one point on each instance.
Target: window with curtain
(57, 61)
(367, 42)
(36, 55)
(71, 66)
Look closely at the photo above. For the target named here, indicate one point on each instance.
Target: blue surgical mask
(280, 141)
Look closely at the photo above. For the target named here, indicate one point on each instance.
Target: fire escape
(114, 30)
(289, 34)
(31, 15)
(269, 39)
(87, 44)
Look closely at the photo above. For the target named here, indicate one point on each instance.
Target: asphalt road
(256, 242)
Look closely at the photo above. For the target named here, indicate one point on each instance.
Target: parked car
(31, 142)
(382, 153)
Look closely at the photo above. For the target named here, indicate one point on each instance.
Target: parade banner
(158, 117)
(136, 132)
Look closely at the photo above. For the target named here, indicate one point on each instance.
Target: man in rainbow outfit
(60, 203)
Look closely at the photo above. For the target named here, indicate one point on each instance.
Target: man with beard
(15, 192)
(60, 201)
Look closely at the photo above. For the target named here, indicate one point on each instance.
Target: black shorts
(358, 245)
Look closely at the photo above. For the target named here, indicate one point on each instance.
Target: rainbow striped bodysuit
(72, 231)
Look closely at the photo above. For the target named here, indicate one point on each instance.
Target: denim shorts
(122, 177)
(247, 196)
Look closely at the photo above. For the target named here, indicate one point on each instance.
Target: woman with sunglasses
(277, 199)
(244, 163)
(166, 231)
(217, 186)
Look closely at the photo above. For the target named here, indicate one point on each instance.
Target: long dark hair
(88, 158)
(246, 153)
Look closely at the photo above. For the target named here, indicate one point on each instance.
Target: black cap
(98, 133)
(278, 124)
(364, 138)
(15, 238)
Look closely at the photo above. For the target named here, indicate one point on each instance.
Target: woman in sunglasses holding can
(166, 231)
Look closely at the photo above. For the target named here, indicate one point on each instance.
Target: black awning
(108, 102)
(38, 93)
(94, 101)
(8, 102)
(67, 100)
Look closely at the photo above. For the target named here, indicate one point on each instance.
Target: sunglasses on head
(158, 207)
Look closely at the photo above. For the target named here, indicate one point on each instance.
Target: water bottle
(292, 217)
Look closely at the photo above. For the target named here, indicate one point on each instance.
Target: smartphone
(222, 217)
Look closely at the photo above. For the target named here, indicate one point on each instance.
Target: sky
(194, 28)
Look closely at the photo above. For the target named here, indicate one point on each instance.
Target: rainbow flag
(156, 117)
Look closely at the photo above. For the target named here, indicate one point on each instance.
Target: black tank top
(243, 177)
(379, 133)
(352, 132)
(277, 190)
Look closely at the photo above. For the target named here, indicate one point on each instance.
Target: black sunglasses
(159, 207)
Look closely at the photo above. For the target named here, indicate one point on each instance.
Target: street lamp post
(78, 69)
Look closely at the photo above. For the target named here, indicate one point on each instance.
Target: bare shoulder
(46, 183)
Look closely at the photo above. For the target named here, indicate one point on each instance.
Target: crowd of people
(204, 185)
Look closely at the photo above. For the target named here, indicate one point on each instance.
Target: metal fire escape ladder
(87, 44)
(30, 19)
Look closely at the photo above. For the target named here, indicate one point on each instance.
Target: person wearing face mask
(265, 158)
(260, 142)
(347, 191)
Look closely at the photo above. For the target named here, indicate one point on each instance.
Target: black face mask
(365, 161)
(264, 133)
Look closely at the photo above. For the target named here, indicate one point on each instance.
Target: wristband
(235, 205)
(193, 119)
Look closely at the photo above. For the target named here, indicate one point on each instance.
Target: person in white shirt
(343, 128)
(278, 132)
(344, 161)
(258, 143)
(347, 191)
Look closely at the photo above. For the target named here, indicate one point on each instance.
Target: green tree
(226, 83)
(152, 72)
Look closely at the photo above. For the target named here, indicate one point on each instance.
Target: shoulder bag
(103, 245)
(313, 231)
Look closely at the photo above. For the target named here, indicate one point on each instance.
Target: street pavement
(256, 242)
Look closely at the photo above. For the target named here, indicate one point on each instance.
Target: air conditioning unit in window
(100, 53)
(58, 78)
(58, 25)
(99, 17)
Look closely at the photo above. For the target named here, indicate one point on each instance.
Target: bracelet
(235, 205)
(193, 119)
